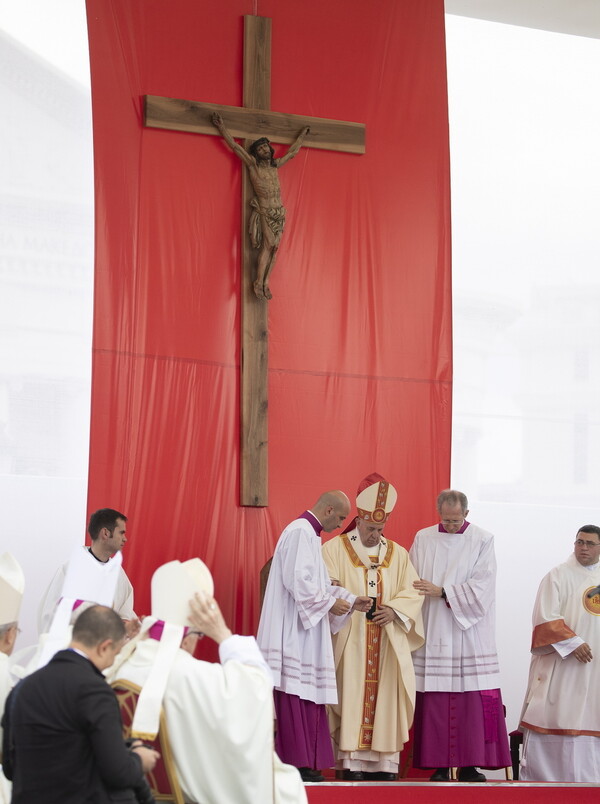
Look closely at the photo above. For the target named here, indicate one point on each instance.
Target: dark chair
(163, 779)
(516, 741)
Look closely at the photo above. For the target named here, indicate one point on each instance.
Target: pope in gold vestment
(374, 669)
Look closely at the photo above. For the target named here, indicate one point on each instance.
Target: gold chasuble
(374, 671)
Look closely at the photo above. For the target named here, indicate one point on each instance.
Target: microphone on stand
(595, 590)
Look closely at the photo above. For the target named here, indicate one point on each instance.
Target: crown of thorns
(257, 143)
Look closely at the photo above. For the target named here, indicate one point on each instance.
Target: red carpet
(450, 793)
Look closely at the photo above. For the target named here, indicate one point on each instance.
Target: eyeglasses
(582, 542)
(453, 521)
(199, 634)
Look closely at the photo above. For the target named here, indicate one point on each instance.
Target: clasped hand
(384, 615)
(147, 754)
(583, 653)
(342, 606)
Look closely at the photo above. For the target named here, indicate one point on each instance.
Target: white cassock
(459, 654)
(295, 626)
(561, 713)
(220, 719)
(122, 603)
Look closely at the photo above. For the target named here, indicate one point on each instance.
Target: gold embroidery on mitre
(378, 515)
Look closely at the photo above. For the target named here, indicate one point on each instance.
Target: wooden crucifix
(251, 122)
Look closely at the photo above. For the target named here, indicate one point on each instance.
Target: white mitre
(173, 587)
(12, 585)
(376, 501)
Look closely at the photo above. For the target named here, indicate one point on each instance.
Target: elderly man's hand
(384, 615)
(206, 617)
(362, 604)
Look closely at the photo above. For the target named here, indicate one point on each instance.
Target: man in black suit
(63, 739)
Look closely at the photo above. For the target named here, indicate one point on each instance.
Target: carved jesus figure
(268, 214)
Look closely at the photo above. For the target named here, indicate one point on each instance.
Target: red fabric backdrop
(360, 323)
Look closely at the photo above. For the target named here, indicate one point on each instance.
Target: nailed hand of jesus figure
(267, 218)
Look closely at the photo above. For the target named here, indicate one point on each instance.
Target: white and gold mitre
(376, 499)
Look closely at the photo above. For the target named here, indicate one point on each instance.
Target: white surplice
(561, 713)
(295, 626)
(220, 720)
(122, 604)
(459, 654)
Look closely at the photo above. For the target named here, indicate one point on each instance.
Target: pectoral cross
(250, 122)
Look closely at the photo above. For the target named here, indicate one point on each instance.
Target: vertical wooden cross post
(254, 354)
(250, 122)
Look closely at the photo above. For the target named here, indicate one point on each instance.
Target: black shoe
(441, 775)
(311, 775)
(382, 776)
(470, 774)
(354, 776)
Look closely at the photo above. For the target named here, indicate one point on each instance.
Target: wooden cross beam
(252, 121)
(194, 116)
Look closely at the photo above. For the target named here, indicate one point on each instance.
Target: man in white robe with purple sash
(374, 669)
(301, 609)
(561, 713)
(219, 715)
(459, 715)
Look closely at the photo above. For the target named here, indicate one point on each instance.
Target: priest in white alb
(220, 716)
(561, 713)
(459, 715)
(374, 669)
(300, 611)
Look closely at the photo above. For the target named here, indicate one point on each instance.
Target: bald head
(331, 509)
